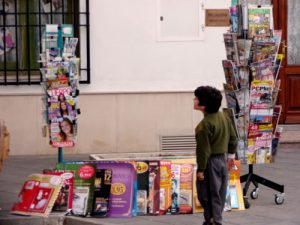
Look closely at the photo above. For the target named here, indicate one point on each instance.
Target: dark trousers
(212, 190)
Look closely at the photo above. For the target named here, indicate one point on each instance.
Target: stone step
(290, 133)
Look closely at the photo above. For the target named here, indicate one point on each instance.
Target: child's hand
(231, 165)
(200, 176)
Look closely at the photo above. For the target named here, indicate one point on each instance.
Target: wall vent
(178, 143)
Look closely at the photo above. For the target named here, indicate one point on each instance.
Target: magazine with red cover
(65, 196)
(38, 195)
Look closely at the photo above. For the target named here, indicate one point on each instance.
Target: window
(22, 26)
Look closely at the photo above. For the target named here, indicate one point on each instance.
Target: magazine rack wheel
(254, 193)
(279, 198)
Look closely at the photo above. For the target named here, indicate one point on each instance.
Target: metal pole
(60, 155)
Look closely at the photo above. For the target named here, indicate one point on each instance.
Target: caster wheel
(254, 194)
(246, 203)
(279, 199)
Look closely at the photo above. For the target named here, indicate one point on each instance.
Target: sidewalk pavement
(263, 210)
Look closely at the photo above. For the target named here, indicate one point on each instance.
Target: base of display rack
(250, 177)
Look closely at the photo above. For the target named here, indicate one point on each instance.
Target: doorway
(286, 18)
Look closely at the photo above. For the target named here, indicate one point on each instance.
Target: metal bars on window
(22, 26)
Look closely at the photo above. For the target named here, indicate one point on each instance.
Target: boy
(215, 137)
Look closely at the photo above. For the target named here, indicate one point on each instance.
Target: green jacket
(214, 135)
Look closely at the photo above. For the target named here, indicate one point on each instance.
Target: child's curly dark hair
(209, 97)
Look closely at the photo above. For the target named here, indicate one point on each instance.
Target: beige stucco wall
(109, 123)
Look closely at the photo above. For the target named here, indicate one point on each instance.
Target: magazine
(65, 196)
(262, 71)
(84, 180)
(122, 188)
(38, 195)
(244, 77)
(175, 170)
(231, 98)
(264, 48)
(154, 188)
(101, 192)
(233, 10)
(259, 21)
(143, 187)
(231, 73)
(259, 143)
(261, 113)
(165, 187)
(235, 188)
(230, 40)
(244, 47)
(261, 91)
(186, 188)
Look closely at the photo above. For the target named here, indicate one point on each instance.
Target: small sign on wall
(217, 18)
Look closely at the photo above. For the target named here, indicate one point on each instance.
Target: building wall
(140, 88)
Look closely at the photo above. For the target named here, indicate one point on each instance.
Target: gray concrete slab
(263, 210)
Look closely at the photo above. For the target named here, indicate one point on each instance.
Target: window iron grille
(22, 26)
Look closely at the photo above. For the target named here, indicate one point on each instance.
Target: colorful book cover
(101, 192)
(80, 200)
(264, 48)
(84, 179)
(259, 143)
(235, 187)
(230, 41)
(261, 113)
(259, 21)
(175, 170)
(154, 188)
(197, 208)
(61, 117)
(143, 187)
(231, 73)
(261, 91)
(38, 195)
(65, 196)
(186, 188)
(122, 188)
(165, 199)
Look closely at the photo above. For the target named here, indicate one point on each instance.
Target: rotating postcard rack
(61, 82)
(252, 84)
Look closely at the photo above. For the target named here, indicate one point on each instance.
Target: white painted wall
(140, 88)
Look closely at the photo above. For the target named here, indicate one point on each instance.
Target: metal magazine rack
(251, 72)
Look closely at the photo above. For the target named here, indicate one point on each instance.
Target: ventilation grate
(178, 143)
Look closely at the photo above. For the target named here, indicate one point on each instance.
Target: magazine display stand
(61, 81)
(251, 73)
